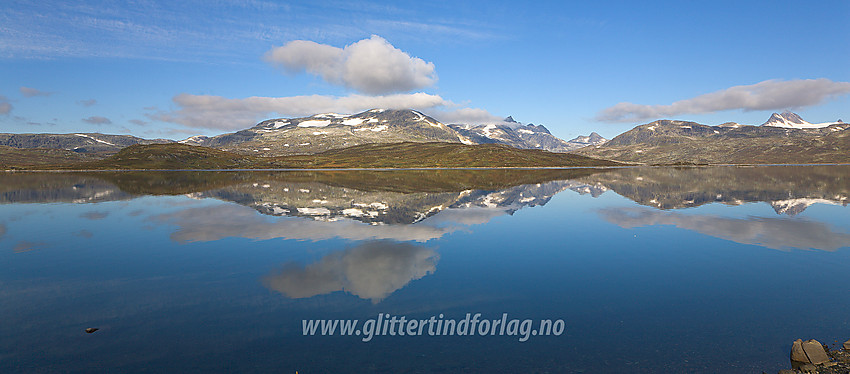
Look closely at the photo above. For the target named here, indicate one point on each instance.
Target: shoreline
(427, 168)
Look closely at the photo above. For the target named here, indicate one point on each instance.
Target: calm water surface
(665, 270)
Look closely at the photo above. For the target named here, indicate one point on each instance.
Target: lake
(668, 270)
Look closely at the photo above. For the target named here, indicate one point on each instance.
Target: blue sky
(174, 69)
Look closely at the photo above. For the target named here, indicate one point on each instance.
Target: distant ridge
(784, 138)
(176, 156)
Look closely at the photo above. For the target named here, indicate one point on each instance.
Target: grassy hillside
(11, 157)
(679, 142)
(173, 156)
(397, 155)
(435, 155)
(787, 150)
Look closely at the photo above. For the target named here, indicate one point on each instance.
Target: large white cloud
(372, 270)
(766, 95)
(372, 66)
(217, 112)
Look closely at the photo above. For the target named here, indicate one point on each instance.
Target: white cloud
(766, 95)
(372, 66)
(32, 92)
(5, 107)
(466, 116)
(216, 112)
(372, 270)
(97, 120)
(88, 102)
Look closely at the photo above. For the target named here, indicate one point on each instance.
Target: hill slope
(94, 144)
(396, 155)
(415, 155)
(11, 157)
(173, 156)
(322, 132)
(670, 142)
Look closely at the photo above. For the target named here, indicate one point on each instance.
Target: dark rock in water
(91, 330)
(847, 345)
(814, 350)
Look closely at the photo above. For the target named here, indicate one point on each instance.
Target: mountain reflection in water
(788, 189)
(202, 271)
(421, 205)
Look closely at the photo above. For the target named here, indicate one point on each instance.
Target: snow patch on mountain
(793, 207)
(791, 120)
(314, 123)
(96, 139)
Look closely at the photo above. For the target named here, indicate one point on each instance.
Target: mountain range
(319, 133)
(785, 138)
(327, 131)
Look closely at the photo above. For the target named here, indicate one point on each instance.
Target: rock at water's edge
(814, 350)
(797, 353)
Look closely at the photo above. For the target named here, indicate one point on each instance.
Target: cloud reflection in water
(774, 233)
(371, 270)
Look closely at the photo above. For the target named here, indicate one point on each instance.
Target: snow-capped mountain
(322, 132)
(592, 139)
(528, 136)
(791, 120)
(784, 138)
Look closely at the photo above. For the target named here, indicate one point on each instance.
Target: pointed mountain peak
(510, 119)
(792, 117)
(592, 139)
(538, 128)
(786, 119)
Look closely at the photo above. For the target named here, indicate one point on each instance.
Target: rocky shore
(812, 357)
